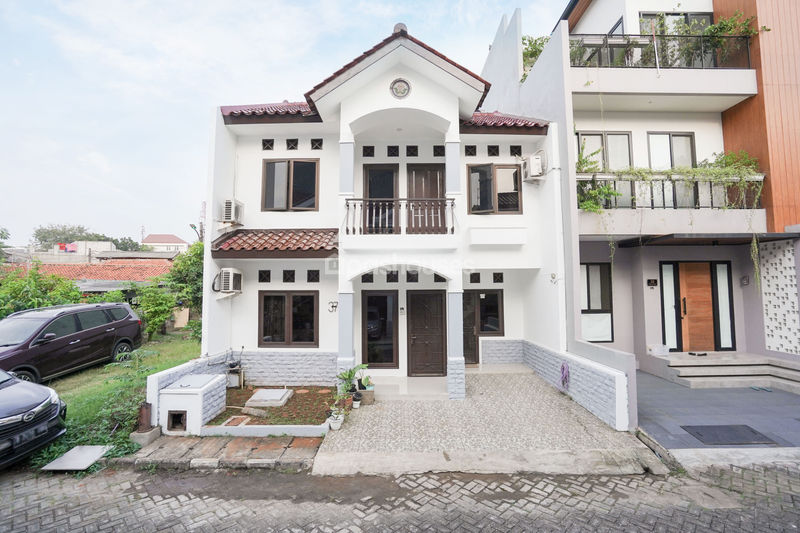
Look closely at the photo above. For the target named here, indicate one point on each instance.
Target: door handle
(684, 305)
(413, 338)
(111, 329)
(76, 341)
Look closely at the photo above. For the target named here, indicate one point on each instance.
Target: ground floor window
(483, 316)
(379, 329)
(288, 318)
(597, 324)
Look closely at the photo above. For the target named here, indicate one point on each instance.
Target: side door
(98, 333)
(59, 353)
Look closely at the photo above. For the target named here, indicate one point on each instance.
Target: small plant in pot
(348, 378)
(366, 383)
(338, 412)
(356, 400)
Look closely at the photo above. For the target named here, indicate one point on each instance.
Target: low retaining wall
(265, 431)
(600, 389)
(289, 368)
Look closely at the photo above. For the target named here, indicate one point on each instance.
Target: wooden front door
(696, 306)
(426, 199)
(471, 344)
(426, 333)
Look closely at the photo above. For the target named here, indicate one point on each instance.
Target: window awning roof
(704, 239)
(276, 243)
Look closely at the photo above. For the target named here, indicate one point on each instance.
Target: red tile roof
(496, 119)
(265, 243)
(163, 238)
(100, 271)
(281, 108)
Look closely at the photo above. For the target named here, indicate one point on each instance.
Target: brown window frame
(500, 315)
(290, 184)
(287, 319)
(395, 333)
(494, 211)
(587, 286)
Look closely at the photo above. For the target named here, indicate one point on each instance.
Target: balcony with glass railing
(660, 51)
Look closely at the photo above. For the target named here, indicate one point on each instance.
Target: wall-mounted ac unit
(230, 280)
(232, 211)
(533, 168)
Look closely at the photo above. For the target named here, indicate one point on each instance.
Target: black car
(31, 416)
(41, 344)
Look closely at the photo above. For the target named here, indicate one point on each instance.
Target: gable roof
(286, 111)
(400, 33)
(573, 12)
(163, 238)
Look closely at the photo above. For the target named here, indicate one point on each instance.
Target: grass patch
(103, 402)
(309, 407)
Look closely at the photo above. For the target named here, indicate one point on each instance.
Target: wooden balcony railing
(675, 192)
(386, 216)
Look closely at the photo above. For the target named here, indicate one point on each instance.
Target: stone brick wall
(456, 379)
(289, 368)
(499, 351)
(589, 384)
(214, 400)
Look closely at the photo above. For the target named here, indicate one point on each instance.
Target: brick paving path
(720, 499)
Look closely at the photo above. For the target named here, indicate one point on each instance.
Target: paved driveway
(665, 406)
(753, 499)
(513, 422)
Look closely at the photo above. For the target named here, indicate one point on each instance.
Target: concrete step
(721, 382)
(742, 370)
(714, 358)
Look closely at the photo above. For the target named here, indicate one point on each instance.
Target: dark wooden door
(471, 344)
(380, 213)
(696, 306)
(426, 333)
(426, 199)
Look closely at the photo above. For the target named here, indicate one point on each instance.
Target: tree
(44, 237)
(155, 306)
(21, 290)
(185, 278)
(4, 235)
(106, 297)
(531, 50)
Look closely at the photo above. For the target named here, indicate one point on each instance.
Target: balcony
(395, 216)
(673, 204)
(661, 73)
(660, 51)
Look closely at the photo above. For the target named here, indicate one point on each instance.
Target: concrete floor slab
(701, 458)
(665, 406)
(507, 423)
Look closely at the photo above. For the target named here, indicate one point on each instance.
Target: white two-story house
(679, 270)
(393, 219)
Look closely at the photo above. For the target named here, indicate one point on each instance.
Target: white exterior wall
(603, 14)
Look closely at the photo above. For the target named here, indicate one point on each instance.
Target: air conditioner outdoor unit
(230, 280)
(232, 211)
(532, 168)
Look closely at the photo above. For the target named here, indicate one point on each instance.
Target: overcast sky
(108, 104)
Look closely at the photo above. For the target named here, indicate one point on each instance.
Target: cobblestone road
(730, 499)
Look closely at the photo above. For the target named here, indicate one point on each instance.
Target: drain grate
(727, 435)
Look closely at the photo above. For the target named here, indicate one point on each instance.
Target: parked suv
(41, 344)
(30, 416)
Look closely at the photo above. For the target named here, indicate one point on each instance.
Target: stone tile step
(742, 370)
(720, 382)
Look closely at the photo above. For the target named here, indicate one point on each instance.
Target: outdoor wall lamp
(332, 306)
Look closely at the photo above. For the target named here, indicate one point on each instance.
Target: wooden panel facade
(768, 124)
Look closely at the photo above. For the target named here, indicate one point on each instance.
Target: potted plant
(348, 377)
(338, 412)
(368, 393)
(356, 400)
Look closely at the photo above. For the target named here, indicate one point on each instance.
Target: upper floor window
(494, 189)
(674, 23)
(608, 150)
(671, 150)
(290, 185)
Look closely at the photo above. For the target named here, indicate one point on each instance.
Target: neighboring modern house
(671, 267)
(388, 220)
(165, 242)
